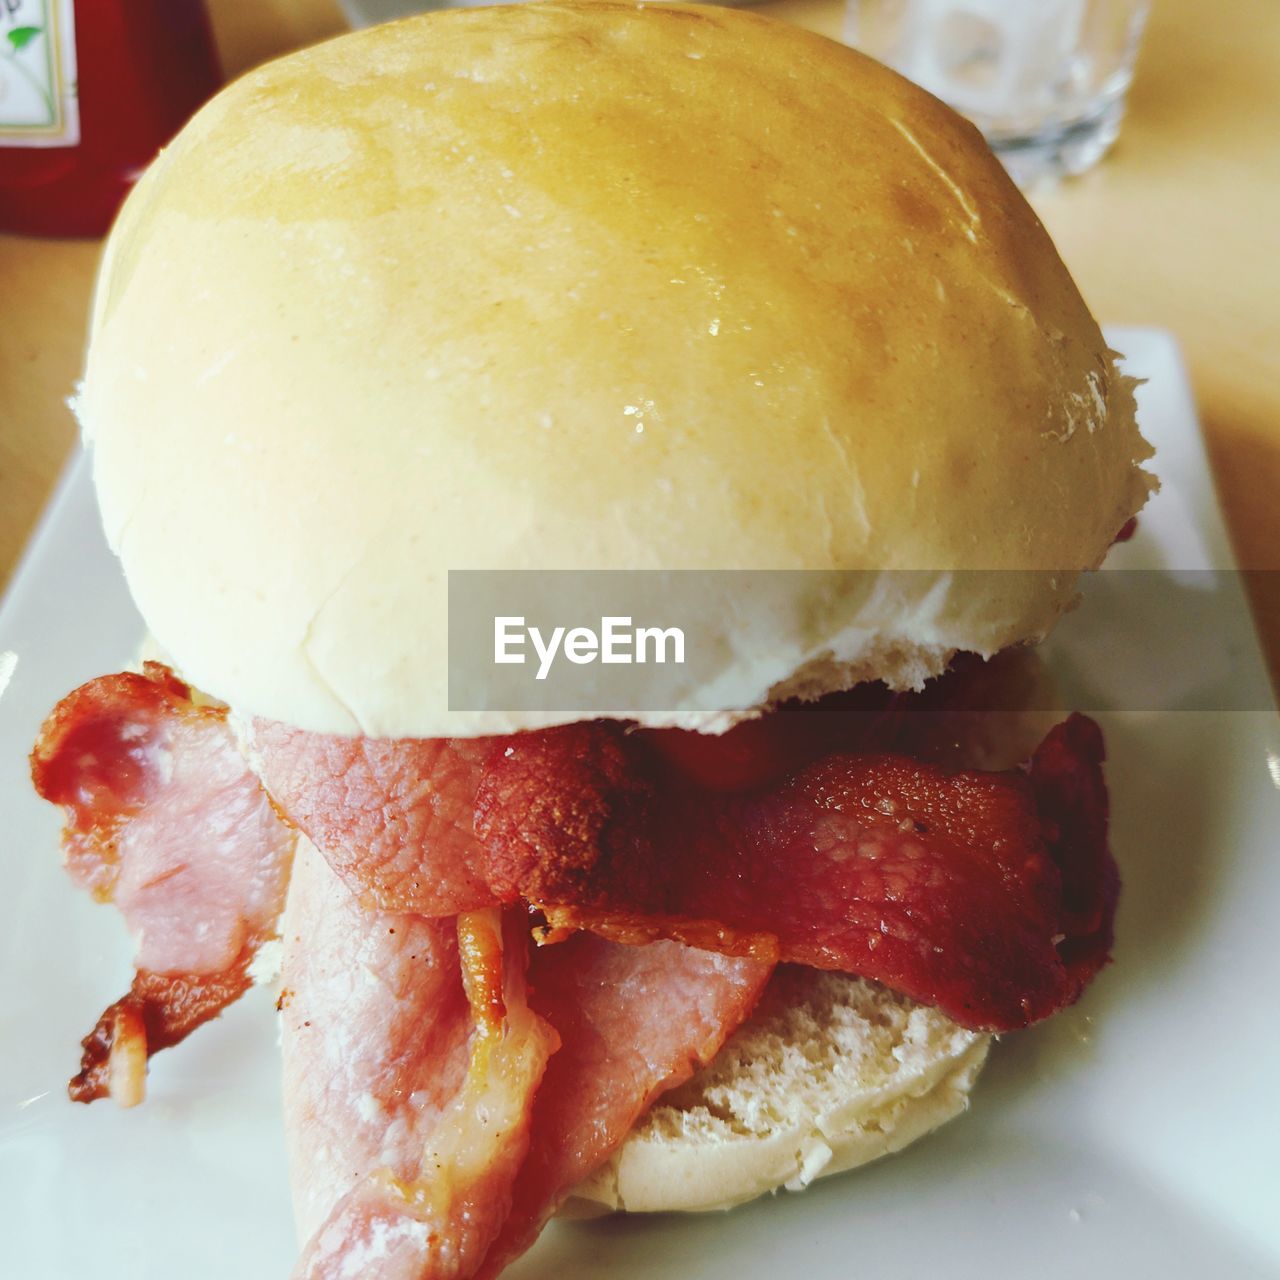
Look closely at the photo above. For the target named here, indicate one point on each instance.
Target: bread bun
(830, 1072)
(585, 286)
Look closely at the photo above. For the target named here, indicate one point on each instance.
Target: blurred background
(1163, 194)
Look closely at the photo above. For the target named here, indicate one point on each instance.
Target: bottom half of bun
(831, 1071)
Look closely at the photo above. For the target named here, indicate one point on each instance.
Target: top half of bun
(586, 285)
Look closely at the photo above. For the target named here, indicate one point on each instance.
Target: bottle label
(38, 104)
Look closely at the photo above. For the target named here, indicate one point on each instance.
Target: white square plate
(1136, 1135)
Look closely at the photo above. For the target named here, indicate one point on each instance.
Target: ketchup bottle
(89, 92)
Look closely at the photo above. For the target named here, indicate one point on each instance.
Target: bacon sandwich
(590, 286)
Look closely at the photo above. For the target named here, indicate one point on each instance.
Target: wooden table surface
(1179, 227)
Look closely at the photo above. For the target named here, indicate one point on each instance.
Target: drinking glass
(1045, 80)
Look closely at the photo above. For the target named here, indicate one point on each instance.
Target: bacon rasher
(987, 894)
(165, 819)
(411, 1064)
(634, 1021)
(376, 806)
(430, 1135)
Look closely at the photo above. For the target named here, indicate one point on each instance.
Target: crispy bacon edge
(160, 1011)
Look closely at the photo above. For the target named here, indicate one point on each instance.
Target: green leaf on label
(20, 37)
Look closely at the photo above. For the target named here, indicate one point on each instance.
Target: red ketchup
(90, 90)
